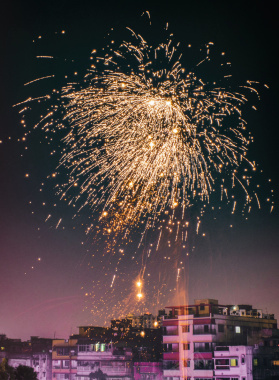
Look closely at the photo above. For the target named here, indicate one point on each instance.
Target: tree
(6, 371)
(99, 375)
(23, 372)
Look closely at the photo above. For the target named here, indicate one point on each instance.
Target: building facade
(64, 359)
(193, 332)
(104, 359)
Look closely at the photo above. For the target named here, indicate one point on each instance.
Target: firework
(146, 135)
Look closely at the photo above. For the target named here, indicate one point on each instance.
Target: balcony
(204, 332)
(171, 332)
(203, 365)
(173, 365)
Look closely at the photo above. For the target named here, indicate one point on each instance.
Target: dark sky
(235, 265)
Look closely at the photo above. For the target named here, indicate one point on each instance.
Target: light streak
(144, 135)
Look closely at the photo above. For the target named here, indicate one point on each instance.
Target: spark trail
(145, 135)
(144, 138)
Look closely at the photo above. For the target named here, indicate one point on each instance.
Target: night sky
(49, 281)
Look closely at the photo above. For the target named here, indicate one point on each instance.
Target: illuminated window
(234, 362)
(186, 346)
(185, 329)
(255, 362)
(237, 329)
(103, 347)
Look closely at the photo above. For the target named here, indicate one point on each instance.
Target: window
(202, 306)
(186, 346)
(255, 362)
(237, 329)
(186, 363)
(222, 364)
(221, 328)
(185, 328)
(203, 346)
(222, 361)
(84, 348)
(103, 347)
(56, 364)
(234, 362)
(206, 328)
(203, 364)
(63, 351)
(242, 359)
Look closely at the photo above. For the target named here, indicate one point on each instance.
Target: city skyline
(49, 285)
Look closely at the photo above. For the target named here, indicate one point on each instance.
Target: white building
(233, 362)
(41, 363)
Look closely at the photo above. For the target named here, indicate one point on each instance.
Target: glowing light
(117, 110)
(139, 295)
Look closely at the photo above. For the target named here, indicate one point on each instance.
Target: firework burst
(145, 135)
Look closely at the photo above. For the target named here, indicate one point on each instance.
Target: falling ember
(143, 137)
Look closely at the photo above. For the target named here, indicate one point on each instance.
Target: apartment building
(64, 359)
(192, 334)
(104, 360)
